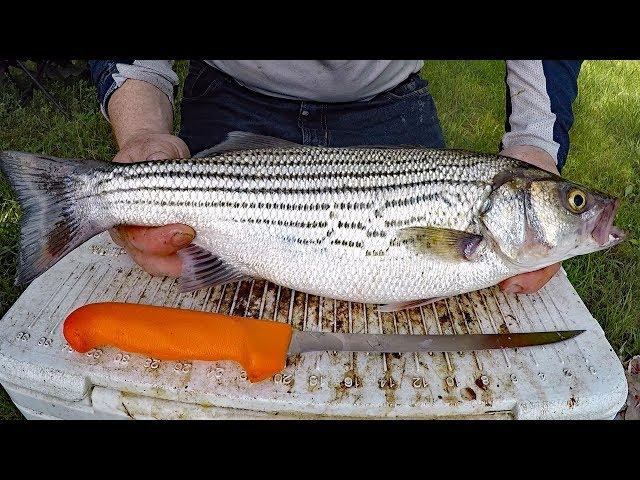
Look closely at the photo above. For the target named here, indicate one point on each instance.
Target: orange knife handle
(260, 346)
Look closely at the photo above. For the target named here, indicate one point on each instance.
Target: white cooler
(577, 379)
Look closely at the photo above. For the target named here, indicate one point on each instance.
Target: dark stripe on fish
(272, 176)
(291, 191)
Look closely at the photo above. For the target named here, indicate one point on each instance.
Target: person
(313, 102)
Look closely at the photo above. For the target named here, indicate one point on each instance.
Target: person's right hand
(154, 248)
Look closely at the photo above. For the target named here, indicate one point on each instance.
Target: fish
(393, 226)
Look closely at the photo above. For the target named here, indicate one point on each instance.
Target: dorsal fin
(247, 141)
(252, 141)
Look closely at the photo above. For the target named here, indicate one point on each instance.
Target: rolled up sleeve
(109, 75)
(539, 99)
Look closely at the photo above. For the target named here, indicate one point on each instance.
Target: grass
(605, 153)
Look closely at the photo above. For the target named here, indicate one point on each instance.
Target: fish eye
(577, 200)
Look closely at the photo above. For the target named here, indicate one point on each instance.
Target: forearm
(138, 108)
(539, 101)
(111, 76)
(136, 97)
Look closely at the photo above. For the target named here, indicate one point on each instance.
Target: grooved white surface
(579, 378)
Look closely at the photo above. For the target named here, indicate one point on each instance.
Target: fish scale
(362, 224)
(316, 219)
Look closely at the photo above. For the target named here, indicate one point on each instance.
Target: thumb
(529, 282)
(169, 148)
(163, 240)
(159, 155)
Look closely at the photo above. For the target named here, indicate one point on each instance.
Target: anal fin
(396, 307)
(201, 268)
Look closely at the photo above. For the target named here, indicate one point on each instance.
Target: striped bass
(385, 225)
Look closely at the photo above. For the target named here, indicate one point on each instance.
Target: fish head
(538, 218)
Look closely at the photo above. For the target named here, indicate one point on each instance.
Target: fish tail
(59, 208)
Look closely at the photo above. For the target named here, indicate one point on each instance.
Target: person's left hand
(530, 282)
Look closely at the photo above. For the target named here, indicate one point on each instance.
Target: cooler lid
(578, 378)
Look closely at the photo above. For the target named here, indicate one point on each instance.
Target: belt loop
(304, 110)
(323, 123)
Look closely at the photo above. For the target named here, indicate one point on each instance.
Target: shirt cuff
(109, 75)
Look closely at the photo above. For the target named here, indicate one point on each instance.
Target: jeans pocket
(413, 86)
(201, 80)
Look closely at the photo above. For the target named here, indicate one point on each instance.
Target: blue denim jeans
(214, 104)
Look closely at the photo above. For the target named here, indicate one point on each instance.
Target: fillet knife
(260, 346)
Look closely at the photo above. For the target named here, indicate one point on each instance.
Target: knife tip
(571, 333)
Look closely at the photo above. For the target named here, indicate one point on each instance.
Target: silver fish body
(321, 220)
(344, 223)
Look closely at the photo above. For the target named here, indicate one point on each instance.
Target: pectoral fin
(447, 243)
(200, 269)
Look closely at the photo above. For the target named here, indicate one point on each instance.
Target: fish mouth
(604, 232)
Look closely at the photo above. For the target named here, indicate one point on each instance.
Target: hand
(152, 146)
(530, 282)
(154, 248)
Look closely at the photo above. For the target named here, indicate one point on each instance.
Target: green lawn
(605, 153)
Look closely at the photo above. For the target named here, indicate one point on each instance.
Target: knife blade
(304, 341)
(260, 346)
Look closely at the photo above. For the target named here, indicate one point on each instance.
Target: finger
(533, 155)
(124, 156)
(146, 151)
(176, 148)
(163, 240)
(153, 148)
(160, 155)
(529, 282)
(182, 148)
(166, 148)
(116, 237)
(169, 265)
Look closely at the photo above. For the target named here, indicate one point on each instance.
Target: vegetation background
(470, 97)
